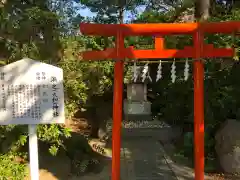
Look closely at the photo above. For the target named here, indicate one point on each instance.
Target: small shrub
(10, 168)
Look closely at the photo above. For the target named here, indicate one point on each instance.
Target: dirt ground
(59, 167)
(217, 176)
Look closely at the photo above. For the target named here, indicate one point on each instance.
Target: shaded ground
(184, 166)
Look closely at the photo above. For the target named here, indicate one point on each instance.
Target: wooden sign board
(31, 93)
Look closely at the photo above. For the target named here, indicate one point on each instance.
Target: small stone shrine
(136, 106)
(138, 120)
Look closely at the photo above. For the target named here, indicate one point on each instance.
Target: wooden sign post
(32, 93)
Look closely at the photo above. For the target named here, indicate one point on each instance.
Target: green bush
(10, 168)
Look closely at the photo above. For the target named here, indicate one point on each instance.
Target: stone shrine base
(155, 129)
(135, 117)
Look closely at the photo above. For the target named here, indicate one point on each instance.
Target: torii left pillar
(117, 108)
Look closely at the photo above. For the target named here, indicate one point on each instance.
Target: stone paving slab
(145, 160)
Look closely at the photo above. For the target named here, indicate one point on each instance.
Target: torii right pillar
(198, 71)
(199, 54)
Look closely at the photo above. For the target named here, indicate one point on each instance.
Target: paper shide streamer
(159, 72)
(145, 74)
(173, 72)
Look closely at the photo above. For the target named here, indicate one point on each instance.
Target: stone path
(141, 159)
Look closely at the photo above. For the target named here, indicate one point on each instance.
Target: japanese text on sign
(31, 96)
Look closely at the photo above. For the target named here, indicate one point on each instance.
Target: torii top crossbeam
(159, 29)
(124, 30)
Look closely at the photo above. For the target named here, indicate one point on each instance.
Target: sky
(87, 13)
(83, 11)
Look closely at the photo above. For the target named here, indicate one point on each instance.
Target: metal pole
(198, 107)
(33, 152)
(117, 110)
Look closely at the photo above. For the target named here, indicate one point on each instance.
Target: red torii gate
(197, 52)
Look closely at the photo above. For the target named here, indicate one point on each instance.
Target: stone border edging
(172, 165)
(168, 160)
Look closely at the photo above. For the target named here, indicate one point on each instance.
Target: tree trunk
(202, 10)
(121, 18)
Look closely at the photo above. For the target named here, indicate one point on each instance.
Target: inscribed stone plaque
(136, 92)
(31, 93)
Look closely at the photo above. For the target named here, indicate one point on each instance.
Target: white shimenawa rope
(146, 73)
